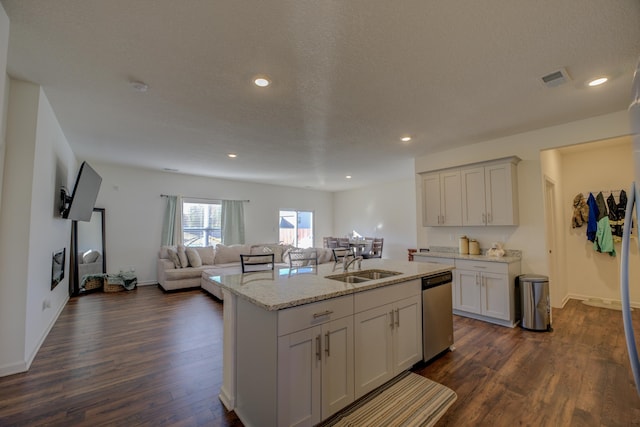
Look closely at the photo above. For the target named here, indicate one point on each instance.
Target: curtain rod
(205, 198)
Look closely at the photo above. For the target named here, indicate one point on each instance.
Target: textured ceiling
(350, 77)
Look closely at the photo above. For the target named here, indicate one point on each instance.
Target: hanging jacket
(621, 211)
(602, 206)
(580, 211)
(592, 224)
(604, 239)
(614, 219)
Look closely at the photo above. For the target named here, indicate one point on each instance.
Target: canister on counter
(474, 247)
(463, 245)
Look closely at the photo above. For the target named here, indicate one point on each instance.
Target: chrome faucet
(347, 263)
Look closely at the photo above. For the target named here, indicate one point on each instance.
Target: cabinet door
(450, 198)
(495, 295)
(431, 199)
(473, 196)
(500, 206)
(299, 376)
(337, 365)
(373, 349)
(467, 291)
(407, 333)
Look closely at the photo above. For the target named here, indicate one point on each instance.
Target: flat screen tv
(79, 207)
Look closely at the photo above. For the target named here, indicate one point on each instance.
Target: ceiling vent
(556, 78)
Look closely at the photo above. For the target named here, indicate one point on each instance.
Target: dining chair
(376, 248)
(303, 257)
(340, 253)
(258, 262)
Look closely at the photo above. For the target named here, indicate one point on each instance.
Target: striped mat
(407, 400)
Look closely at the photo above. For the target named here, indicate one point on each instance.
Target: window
(296, 228)
(201, 225)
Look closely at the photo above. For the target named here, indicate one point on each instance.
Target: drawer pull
(479, 266)
(321, 314)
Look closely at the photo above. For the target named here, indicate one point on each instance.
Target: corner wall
(38, 161)
(384, 210)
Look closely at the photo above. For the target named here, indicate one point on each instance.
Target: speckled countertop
(282, 288)
(446, 252)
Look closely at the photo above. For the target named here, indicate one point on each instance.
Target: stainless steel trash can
(534, 302)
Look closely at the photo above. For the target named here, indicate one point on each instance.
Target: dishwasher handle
(436, 280)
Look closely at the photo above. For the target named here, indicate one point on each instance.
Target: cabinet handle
(324, 313)
(391, 316)
(397, 317)
(489, 218)
(479, 266)
(318, 349)
(477, 276)
(484, 218)
(326, 343)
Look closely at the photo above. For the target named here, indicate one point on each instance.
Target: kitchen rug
(407, 400)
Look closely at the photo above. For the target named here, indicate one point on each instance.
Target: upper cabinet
(442, 198)
(479, 194)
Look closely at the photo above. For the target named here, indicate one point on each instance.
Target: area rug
(408, 400)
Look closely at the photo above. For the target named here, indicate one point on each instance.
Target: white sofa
(220, 260)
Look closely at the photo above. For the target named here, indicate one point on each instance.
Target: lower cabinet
(300, 365)
(315, 372)
(486, 289)
(388, 338)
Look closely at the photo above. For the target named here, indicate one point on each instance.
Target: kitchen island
(299, 346)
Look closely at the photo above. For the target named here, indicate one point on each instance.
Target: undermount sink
(362, 276)
(375, 274)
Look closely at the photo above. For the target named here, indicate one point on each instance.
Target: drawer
(386, 294)
(482, 266)
(308, 315)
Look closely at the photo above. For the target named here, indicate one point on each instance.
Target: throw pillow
(173, 256)
(194, 257)
(207, 255)
(182, 255)
(90, 256)
(227, 254)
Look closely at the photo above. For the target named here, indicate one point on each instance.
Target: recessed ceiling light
(232, 155)
(598, 81)
(261, 81)
(139, 86)
(405, 139)
(348, 176)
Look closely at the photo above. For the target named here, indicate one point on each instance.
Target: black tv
(79, 207)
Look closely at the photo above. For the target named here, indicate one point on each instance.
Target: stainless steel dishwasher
(437, 315)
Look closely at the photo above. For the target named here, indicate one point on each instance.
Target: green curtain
(232, 222)
(172, 225)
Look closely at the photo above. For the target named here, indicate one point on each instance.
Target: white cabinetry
(480, 194)
(489, 194)
(485, 290)
(442, 203)
(388, 337)
(315, 365)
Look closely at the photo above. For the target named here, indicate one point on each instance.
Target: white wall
(529, 236)
(4, 98)
(386, 210)
(596, 167)
(38, 160)
(134, 211)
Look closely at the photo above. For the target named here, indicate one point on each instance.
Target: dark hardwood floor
(146, 358)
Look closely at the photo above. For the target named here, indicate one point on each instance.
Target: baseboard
(580, 297)
(24, 365)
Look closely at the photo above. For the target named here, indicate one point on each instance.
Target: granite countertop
(446, 252)
(284, 287)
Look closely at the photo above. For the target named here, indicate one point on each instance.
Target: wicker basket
(113, 284)
(93, 282)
